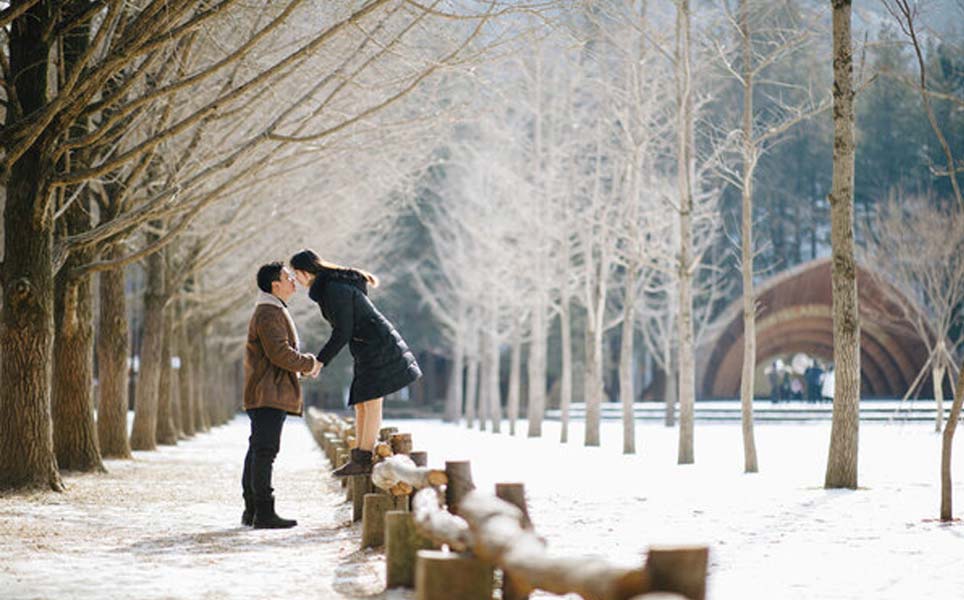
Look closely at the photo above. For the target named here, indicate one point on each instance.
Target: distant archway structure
(794, 315)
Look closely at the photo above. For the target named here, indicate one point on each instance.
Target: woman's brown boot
(359, 464)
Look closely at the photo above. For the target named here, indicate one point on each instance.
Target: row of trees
(194, 139)
(591, 193)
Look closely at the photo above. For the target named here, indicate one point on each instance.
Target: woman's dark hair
(267, 274)
(308, 261)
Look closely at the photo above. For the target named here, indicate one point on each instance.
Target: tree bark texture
(842, 460)
(626, 392)
(937, 375)
(166, 433)
(565, 376)
(947, 445)
(749, 297)
(27, 457)
(685, 170)
(471, 389)
(536, 368)
(453, 397)
(113, 347)
(515, 378)
(188, 427)
(143, 432)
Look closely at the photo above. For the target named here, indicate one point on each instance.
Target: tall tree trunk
(453, 396)
(685, 173)
(143, 432)
(565, 377)
(203, 399)
(842, 461)
(947, 444)
(536, 368)
(749, 297)
(188, 427)
(485, 368)
(472, 387)
(495, 384)
(166, 431)
(593, 384)
(626, 392)
(669, 396)
(937, 375)
(72, 404)
(72, 398)
(515, 377)
(27, 457)
(112, 351)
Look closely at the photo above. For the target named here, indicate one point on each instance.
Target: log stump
(402, 542)
(419, 457)
(401, 443)
(449, 575)
(373, 519)
(386, 432)
(681, 570)
(459, 474)
(360, 485)
(514, 494)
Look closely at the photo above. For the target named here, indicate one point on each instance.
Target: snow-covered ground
(166, 524)
(776, 534)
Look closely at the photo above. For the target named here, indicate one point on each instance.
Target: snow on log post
(401, 469)
(419, 457)
(498, 529)
(402, 542)
(385, 433)
(448, 575)
(459, 474)
(373, 519)
(401, 443)
(439, 525)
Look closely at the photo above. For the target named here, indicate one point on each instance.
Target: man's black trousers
(263, 445)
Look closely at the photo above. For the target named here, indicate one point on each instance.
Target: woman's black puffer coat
(383, 362)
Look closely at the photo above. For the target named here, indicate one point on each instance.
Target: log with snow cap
(500, 536)
(400, 469)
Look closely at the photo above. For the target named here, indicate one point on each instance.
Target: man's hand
(317, 369)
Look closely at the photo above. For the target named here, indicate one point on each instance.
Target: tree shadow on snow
(239, 539)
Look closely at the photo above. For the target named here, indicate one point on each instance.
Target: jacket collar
(266, 298)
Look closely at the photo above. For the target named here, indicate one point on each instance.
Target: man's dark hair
(268, 273)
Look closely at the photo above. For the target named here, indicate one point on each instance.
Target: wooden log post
(500, 537)
(448, 575)
(373, 519)
(360, 485)
(419, 457)
(382, 451)
(514, 494)
(402, 542)
(401, 469)
(401, 443)
(386, 432)
(439, 525)
(679, 569)
(459, 474)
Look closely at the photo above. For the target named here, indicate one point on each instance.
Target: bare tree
(842, 460)
(915, 251)
(768, 34)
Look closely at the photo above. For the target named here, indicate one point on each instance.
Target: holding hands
(316, 369)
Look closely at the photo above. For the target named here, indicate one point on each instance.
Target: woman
(383, 362)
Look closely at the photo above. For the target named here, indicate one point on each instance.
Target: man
(272, 365)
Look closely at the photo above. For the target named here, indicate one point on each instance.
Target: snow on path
(775, 535)
(167, 525)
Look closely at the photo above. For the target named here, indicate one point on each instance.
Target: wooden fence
(448, 540)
